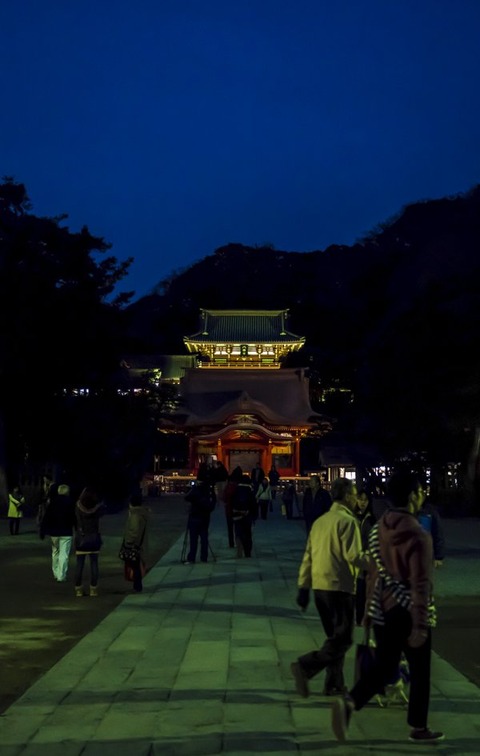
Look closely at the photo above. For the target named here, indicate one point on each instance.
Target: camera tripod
(185, 544)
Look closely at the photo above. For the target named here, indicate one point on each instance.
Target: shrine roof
(211, 397)
(244, 326)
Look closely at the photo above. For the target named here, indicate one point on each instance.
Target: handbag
(129, 552)
(364, 657)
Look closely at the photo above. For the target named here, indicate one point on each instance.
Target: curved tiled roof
(280, 397)
(244, 326)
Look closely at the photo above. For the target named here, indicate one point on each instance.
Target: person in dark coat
(256, 477)
(273, 477)
(364, 513)
(289, 498)
(228, 493)
(202, 504)
(59, 522)
(316, 501)
(245, 513)
(88, 540)
(220, 476)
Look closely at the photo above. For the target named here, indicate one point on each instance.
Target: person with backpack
(245, 513)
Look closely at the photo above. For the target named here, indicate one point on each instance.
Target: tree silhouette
(58, 334)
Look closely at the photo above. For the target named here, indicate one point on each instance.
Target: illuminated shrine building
(239, 405)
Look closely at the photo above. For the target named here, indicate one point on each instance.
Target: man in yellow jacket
(330, 565)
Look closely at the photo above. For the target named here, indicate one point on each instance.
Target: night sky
(173, 127)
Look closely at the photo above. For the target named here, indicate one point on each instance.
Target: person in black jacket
(202, 504)
(245, 512)
(59, 522)
(366, 521)
(256, 477)
(88, 540)
(316, 501)
(232, 483)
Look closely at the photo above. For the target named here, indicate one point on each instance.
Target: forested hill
(396, 317)
(429, 246)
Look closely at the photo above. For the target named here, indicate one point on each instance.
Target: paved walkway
(200, 664)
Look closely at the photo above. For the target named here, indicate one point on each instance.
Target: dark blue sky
(172, 127)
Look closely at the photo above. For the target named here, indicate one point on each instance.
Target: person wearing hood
(400, 607)
(88, 540)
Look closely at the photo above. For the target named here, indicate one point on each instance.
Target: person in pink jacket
(400, 607)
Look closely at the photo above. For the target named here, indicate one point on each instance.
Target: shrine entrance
(245, 458)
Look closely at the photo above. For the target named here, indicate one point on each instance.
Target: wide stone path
(199, 663)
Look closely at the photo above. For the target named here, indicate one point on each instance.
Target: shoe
(395, 694)
(334, 692)
(341, 715)
(78, 591)
(93, 590)
(426, 736)
(301, 680)
(187, 562)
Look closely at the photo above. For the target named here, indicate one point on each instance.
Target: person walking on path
(88, 540)
(400, 607)
(256, 477)
(264, 497)
(228, 493)
(15, 510)
(366, 521)
(330, 565)
(316, 501)
(430, 521)
(245, 512)
(200, 499)
(220, 476)
(273, 478)
(289, 498)
(49, 491)
(135, 535)
(59, 522)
